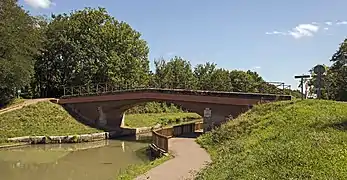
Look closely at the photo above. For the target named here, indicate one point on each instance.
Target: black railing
(105, 88)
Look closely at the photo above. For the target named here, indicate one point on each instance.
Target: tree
(176, 73)
(89, 46)
(335, 79)
(203, 74)
(19, 43)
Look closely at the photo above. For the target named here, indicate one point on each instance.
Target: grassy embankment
(152, 119)
(43, 118)
(153, 113)
(283, 140)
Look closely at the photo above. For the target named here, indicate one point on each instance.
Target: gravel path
(189, 158)
(25, 103)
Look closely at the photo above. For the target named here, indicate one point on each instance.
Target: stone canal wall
(80, 138)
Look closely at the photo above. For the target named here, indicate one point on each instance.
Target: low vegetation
(43, 118)
(152, 119)
(135, 170)
(154, 107)
(283, 140)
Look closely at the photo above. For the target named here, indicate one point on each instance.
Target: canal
(99, 160)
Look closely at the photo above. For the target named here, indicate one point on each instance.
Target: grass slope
(135, 170)
(43, 118)
(152, 119)
(284, 140)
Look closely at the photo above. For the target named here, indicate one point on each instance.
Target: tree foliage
(19, 42)
(178, 73)
(90, 46)
(334, 81)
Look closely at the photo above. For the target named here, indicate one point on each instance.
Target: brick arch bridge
(107, 109)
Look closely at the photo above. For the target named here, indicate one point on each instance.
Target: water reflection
(96, 160)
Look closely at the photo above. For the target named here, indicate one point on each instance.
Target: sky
(277, 39)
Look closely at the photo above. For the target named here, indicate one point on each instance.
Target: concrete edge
(25, 140)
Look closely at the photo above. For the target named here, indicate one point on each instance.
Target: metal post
(302, 88)
(302, 83)
(283, 92)
(64, 91)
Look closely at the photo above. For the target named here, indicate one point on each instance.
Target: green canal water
(100, 160)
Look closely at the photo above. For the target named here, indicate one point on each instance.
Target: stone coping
(60, 139)
(65, 139)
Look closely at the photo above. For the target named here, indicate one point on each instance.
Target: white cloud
(256, 67)
(303, 30)
(44, 4)
(341, 23)
(275, 32)
(308, 30)
(299, 31)
(328, 23)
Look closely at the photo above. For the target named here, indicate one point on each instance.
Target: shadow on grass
(341, 126)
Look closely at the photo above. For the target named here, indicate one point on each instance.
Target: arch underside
(112, 111)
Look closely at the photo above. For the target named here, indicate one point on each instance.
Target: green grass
(152, 119)
(133, 171)
(43, 118)
(283, 140)
(154, 107)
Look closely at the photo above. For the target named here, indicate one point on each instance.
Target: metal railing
(103, 88)
(160, 138)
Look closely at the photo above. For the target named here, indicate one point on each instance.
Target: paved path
(189, 157)
(25, 103)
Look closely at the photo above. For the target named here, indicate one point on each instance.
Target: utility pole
(302, 77)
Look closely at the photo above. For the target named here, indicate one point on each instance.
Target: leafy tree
(220, 80)
(335, 79)
(176, 73)
(242, 81)
(203, 74)
(90, 46)
(19, 43)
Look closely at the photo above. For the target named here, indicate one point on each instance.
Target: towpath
(188, 159)
(25, 103)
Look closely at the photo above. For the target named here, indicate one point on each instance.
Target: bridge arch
(112, 106)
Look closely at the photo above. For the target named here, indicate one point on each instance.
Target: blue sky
(278, 39)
